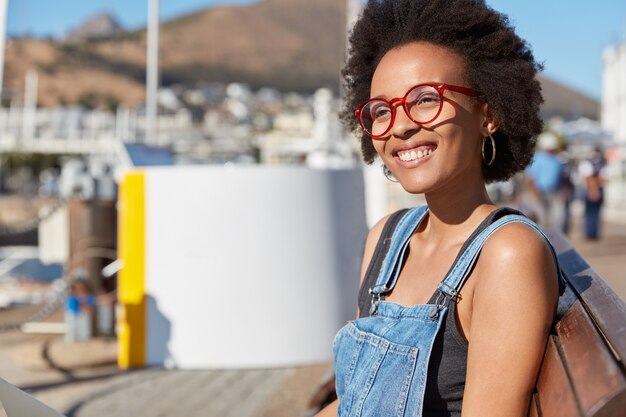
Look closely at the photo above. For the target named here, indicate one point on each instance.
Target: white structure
(614, 91)
(614, 118)
(237, 267)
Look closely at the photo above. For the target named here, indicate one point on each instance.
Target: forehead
(415, 63)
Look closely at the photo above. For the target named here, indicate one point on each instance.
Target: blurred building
(614, 116)
(614, 91)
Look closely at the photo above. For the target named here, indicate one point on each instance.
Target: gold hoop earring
(493, 150)
(388, 174)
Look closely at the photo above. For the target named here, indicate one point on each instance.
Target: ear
(490, 122)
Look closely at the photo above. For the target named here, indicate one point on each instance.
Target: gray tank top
(448, 362)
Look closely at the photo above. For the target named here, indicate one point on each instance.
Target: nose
(402, 125)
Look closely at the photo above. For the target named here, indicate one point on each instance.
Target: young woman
(444, 94)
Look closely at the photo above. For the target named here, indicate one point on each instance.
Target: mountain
(565, 102)
(100, 26)
(295, 45)
(289, 44)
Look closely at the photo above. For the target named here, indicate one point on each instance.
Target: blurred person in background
(593, 174)
(545, 175)
(460, 306)
(79, 310)
(569, 177)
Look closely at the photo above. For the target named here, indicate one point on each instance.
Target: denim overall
(381, 361)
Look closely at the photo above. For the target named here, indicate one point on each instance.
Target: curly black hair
(499, 65)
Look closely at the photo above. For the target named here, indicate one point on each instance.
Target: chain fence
(56, 299)
(32, 224)
(60, 289)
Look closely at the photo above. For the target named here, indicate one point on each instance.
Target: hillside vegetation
(293, 45)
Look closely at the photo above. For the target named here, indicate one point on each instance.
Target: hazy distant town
(83, 97)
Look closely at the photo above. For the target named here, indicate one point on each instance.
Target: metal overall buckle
(376, 298)
(440, 302)
(451, 294)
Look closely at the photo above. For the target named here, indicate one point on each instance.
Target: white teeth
(412, 155)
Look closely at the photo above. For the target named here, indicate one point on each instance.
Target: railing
(73, 130)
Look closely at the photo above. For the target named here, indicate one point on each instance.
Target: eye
(423, 97)
(426, 99)
(379, 110)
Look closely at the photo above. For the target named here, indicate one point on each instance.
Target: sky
(568, 36)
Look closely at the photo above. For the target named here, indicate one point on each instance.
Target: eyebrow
(384, 97)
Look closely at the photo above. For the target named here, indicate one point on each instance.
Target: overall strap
(399, 241)
(376, 263)
(452, 284)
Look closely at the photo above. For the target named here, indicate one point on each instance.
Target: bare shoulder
(517, 242)
(377, 229)
(518, 257)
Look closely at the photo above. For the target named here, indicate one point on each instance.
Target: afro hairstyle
(499, 65)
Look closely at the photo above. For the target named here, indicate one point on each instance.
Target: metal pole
(353, 9)
(4, 6)
(29, 110)
(152, 72)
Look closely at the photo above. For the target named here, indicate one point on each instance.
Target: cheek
(379, 146)
(464, 129)
(467, 114)
(462, 144)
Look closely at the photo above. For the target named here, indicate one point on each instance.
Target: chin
(415, 190)
(412, 186)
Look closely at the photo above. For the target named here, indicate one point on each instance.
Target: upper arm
(513, 306)
(329, 411)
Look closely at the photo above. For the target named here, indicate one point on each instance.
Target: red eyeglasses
(422, 104)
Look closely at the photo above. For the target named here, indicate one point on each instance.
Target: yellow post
(131, 278)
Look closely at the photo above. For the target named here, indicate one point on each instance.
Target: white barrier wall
(54, 235)
(243, 266)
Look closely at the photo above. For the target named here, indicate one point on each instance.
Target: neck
(454, 213)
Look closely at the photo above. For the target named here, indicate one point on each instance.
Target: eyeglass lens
(421, 104)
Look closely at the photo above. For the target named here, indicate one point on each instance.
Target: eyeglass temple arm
(463, 90)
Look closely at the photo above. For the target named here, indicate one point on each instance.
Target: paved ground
(95, 391)
(64, 376)
(82, 380)
(606, 256)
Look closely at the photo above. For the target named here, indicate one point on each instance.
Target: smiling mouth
(414, 154)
